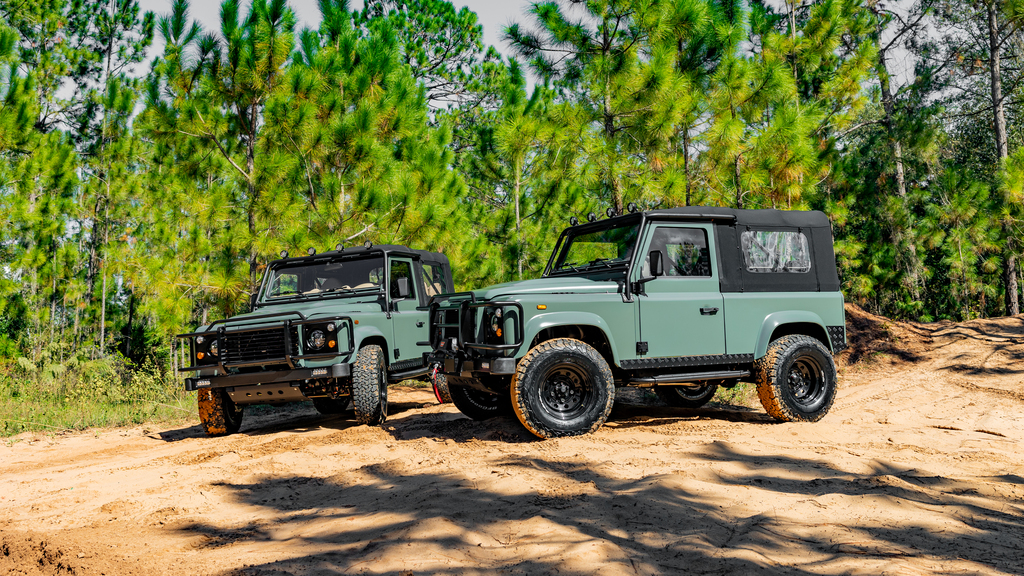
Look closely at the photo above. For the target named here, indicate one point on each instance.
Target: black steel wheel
(563, 387)
(218, 413)
(687, 396)
(370, 386)
(796, 379)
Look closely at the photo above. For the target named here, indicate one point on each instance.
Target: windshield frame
(263, 300)
(567, 235)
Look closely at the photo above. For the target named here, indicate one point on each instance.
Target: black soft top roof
(424, 255)
(759, 218)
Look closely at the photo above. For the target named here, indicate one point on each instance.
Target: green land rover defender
(682, 300)
(333, 327)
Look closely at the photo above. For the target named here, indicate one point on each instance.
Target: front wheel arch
(588, 333)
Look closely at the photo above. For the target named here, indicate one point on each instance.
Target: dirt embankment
(916, 470)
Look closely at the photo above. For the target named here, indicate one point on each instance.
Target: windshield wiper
(569, 265)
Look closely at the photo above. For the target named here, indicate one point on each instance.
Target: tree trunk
(686, 164)
(1002, 150)
(889, 106)
(737, 181)
(1002, 147)
(519, 231)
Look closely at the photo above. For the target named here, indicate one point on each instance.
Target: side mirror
(657, 266)
(402, 286)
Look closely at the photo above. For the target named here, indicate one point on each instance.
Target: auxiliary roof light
(367, 244)
(632, 207)
(284, 253)
(591, 217)
(610, 212)
(311, 251)
(339, 247)
(573, 221)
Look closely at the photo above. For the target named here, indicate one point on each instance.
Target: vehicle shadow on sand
(454, 426)
(553, 516)
(267, 420)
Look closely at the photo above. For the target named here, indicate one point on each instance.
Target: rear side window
(433, 280)
(776, 251)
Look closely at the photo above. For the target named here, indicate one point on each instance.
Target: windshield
(339, 277)
(602, 248)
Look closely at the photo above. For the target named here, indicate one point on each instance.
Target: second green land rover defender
(333, 328)
(682, 300)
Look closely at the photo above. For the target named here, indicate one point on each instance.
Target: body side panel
(751, 318)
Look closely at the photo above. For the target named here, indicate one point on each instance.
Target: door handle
(708, 311)
(419, 324)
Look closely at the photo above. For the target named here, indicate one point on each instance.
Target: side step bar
(673, 379)
(396, 377)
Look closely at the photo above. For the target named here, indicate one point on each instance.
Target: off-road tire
(477, 404)
(562, 387)
(441, 388)
(796, 379)
(684, 397)
(370, 386)
(331, 406)
(218, 413)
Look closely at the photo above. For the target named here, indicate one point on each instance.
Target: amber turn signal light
(331, 344)
(200, 355)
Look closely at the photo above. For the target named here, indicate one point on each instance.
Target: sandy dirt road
(918, 469)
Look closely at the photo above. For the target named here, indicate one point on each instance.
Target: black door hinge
(641, 347)
(397, 354)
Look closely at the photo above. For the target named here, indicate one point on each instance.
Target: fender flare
(541, 322)
(774, 320)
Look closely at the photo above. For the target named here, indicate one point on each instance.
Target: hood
(556, 285)
(312, 309)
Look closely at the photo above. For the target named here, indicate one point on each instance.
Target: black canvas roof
(361, 250)
(759, 218)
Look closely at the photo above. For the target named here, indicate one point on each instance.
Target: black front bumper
(342, 370)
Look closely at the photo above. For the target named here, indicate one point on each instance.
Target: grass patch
(101, 393)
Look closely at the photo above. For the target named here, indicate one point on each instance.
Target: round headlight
(316, 340)
(213, 347)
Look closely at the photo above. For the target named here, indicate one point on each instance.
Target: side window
(683, 250)
(775, 251)
(433, 280)
(400, 269)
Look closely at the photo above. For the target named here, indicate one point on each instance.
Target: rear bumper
(341, 370)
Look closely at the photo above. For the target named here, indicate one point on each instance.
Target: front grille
(260, 345)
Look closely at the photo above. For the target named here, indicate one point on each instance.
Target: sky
(493, 15)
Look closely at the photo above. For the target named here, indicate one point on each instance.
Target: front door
(409, 324)
(681, 312)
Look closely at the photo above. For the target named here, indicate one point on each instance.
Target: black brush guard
(469, 355)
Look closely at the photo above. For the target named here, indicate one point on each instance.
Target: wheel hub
(564, 391)
(799, 384)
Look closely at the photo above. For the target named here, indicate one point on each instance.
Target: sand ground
(917, 469)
